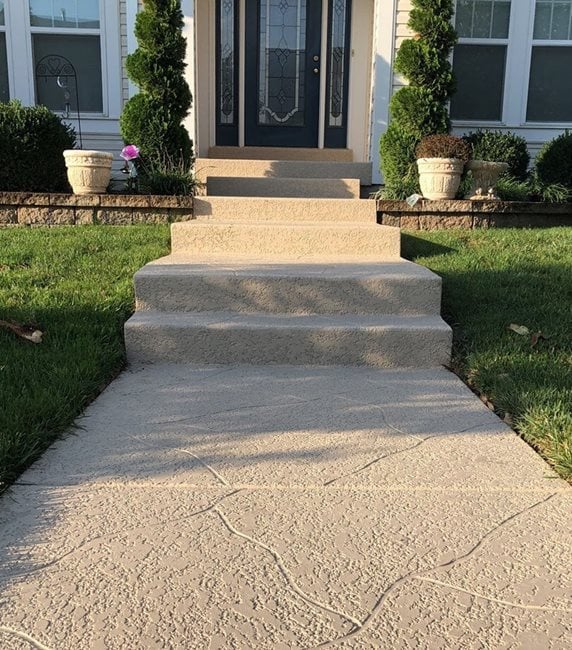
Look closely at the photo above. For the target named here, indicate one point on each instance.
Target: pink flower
(130, 152)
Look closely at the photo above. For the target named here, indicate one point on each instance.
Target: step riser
(287, 295)
(206, 167)
(272, 346)
(281, 153)
(259, 240)
(284, 187)
(251, 209)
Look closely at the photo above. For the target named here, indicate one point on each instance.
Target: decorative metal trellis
(62, 72)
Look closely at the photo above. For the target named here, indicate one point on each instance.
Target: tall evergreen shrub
(152, 119)
(420, 108)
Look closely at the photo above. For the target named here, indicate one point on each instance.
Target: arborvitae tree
(152, 119)
(420, 108)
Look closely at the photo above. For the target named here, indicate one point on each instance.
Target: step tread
(182, 265)
(241, 321)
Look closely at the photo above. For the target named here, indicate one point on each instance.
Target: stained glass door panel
(283, 70)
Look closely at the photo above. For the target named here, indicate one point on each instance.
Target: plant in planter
(493, 155)
(440, 160)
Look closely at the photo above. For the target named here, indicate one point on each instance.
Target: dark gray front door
(283, 69)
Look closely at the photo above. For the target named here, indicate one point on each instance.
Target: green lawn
(492, 278)
(76, 283)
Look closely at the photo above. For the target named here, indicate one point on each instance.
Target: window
(4, 87)
(66, 45)
(512, 62)
(480, 59)
(550, 87)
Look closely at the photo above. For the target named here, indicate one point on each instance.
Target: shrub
(419, 109)
(496, 146)
(152, 119)
(167, 178)
(443, 146)
(32, 142)
(553, 164)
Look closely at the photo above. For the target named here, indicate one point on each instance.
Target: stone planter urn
(439, 178)
(89, 172)
(485, 175)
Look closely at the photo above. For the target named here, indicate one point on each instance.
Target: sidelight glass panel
(227, 63)
(480, 71)
(282, 72)
(54, 86)
(4, 89)
(81, 14)
(2, 18)
(482, 18)
(337, 63)
(550, 89)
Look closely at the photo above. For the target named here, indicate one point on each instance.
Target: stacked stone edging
(470, 215)
(37, 209)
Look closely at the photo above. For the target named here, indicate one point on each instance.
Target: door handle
(316, 70)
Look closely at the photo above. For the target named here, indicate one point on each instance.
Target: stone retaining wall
(440, 215)
(33, 209)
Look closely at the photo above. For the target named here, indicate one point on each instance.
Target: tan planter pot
(439, 178)
(485, 176)
(89, 172)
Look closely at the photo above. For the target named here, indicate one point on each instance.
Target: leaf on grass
(26, 332)
(519, 329)
(535, 337)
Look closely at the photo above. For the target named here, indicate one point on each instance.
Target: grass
(492, 278)
(76, 284)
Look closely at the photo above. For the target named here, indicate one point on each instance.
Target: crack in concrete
(284, 571)
(213, 471)
(491, 599)
(375, 461)
(111, 535)
(25, 637)
(417, 575)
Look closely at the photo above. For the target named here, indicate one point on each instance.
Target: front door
(283, 69)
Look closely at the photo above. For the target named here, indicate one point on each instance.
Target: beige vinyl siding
(123, 22)
(402, 32)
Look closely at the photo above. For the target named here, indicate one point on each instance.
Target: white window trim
(517, 70)
(21, 63)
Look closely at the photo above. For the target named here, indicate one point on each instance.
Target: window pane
(4, 90)
(482, 18)
(84, 53)
(550, 89)
(65, 13)
(552, 20)
(479, 70)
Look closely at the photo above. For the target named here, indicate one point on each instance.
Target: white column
(383, 49)
(188, 7)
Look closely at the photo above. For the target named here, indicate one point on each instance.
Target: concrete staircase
(290, 279)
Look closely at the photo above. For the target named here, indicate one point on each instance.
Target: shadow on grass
(412, 247)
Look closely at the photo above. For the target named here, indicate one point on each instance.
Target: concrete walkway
(287, 507)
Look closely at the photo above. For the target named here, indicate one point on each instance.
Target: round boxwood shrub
(496, 146)
(32, 142)
(554, 162)
(443, 146)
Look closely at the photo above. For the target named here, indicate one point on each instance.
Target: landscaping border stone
(39, 209)
(441, 215)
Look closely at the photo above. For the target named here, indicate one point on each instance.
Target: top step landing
(282, 153)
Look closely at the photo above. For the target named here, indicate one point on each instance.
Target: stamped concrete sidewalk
(287, 507)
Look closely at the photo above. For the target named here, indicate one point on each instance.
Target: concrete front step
(182, 283)
(208, 167)
(241, 208)
(230, 338)
(282, 153)
(324, 188)
(286, 240)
